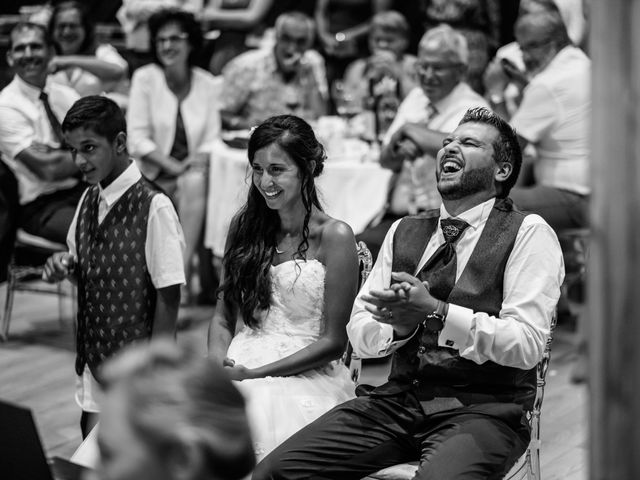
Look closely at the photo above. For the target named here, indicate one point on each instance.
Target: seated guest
(134, 15)
(342, 31)
(174, 119)
(235, 20)
(31, 109)
(266, 82)
(425, 116)
(388, 42)
(290, 272)
(170, 414)
(463, 297)
(81, 64)
(122, 221)
(554, 117)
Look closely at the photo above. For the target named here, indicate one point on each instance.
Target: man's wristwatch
(434, 322)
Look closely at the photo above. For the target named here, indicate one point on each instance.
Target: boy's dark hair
(506, 148)
(97, 113)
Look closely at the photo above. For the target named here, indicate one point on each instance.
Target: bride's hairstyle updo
(252, 236)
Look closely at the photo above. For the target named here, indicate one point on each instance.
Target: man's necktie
(440, 269)
(432, 111)
(53, 120)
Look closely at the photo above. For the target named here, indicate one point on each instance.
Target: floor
(36, 370)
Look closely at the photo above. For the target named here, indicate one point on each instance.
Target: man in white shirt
(465, 310)
(554, 116)
(424, 118)
(31, 109)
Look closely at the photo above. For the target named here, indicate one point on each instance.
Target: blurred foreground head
(171, 414)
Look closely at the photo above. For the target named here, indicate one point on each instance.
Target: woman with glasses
(173, 118)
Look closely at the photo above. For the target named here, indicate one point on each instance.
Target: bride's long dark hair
(252, 236)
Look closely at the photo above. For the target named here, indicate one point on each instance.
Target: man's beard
(471, 182)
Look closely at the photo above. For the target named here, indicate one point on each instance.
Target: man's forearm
(47, 163)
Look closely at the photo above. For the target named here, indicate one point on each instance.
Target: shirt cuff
(456, 328)
(390, 346)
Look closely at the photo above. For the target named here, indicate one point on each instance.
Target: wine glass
(347, 105)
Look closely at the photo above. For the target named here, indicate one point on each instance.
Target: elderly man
(554, 117)
(424, 117)
(266, 82)
(31, 109)
(463, 297)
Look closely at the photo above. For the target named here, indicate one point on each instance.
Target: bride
(290, 274)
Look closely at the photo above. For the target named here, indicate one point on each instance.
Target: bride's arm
(221, 327)
(338, 250)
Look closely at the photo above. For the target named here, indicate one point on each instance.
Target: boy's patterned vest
(440, 371)
(116, 299)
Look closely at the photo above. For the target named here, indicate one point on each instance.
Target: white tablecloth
(350, 191)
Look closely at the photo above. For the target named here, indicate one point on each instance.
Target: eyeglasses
(422, 68)
(172, 39)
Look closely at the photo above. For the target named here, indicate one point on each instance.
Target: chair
(376, 371)
(24, 274)
(365, 263)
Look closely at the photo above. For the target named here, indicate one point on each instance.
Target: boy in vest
(125, 248)
(463, 297)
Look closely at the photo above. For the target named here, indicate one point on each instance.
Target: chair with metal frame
(23, 255)
(24, 274)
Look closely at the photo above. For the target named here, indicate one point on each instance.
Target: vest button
(422, 349)
(416, 383)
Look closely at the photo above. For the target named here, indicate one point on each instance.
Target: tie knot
(452, 228)
(43, 95)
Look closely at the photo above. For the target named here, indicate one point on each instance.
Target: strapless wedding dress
(277, 407)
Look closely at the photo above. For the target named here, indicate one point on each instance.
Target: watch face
(434, 323)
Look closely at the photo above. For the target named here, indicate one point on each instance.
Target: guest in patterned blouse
(125, 249)
(261, 83)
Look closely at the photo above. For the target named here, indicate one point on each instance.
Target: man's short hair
(298, 17)
(449, 40)
(548, 24)
(506, 146)
(97, 113)
(174, 392)
(22, 26)
(391, 21)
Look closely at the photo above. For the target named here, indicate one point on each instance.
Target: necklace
(289, 245)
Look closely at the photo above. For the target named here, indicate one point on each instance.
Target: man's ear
(9, 57)
(121, 142)
(503, 171)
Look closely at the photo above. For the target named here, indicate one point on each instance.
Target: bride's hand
(239, 372)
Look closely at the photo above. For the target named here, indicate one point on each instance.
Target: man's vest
(435, 371)
(116, 299)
